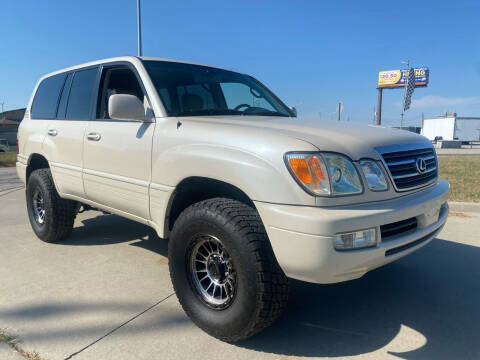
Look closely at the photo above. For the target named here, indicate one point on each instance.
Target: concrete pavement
(9, 179)
(105, 293)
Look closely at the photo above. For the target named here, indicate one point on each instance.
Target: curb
(464, 206)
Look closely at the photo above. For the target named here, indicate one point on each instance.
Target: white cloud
(433, 101)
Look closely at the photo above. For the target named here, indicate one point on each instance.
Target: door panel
(64, 151)
(63, 144)
(117, 166)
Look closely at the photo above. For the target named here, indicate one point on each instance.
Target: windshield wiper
(209, 112)
(265, 113)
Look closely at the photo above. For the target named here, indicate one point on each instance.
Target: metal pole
(339, 104)
(139, 27)
(401, 122)
(379, 107)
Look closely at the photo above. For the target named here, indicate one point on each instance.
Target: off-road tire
(262, 287)
(59, 213)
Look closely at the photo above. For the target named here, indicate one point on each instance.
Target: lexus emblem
(421, 165)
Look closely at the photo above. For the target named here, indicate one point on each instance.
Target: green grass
(7, 159)
(14, 343)
(463, 174)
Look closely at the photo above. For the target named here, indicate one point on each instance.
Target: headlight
(343, 174)
(375, 177)
(324, 174)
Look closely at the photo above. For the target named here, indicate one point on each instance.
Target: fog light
(356, 240)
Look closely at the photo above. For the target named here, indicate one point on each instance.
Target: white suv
(246, 193)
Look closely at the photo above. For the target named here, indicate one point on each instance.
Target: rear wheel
(224, 271)
(51, 217)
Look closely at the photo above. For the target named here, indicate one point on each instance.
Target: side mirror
(126, 107)
(293, 110)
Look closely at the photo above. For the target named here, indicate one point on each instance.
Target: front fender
(259, 178)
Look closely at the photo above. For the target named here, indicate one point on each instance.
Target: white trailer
(452, 127)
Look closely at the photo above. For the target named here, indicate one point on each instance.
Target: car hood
(354, 140)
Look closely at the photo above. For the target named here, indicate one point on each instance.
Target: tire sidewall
(239, 314)
(36, 181)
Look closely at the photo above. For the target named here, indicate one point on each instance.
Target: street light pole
(139, 27)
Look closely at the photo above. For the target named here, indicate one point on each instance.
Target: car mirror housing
(293, 110)
(126, 107)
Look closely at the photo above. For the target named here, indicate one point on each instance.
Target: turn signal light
(310, 171)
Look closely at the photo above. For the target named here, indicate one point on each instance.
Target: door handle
(52, 132)
(94, 136)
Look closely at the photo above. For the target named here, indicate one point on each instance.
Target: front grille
(403, 167)
(397, 228)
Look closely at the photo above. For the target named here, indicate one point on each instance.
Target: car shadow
(106, 229)
(423, 306)
(433, 295)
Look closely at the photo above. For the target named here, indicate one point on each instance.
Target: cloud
(433, 101)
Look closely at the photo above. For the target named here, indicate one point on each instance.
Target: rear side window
(62, 106)
(80, 98)
(45, 102)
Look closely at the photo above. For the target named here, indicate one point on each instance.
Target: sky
(312, 54)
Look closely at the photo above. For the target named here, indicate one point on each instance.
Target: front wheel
(224, 271)
(51, 217)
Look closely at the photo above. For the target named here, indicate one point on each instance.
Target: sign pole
(379, 106)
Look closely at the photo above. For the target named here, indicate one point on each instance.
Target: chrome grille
(403, 169)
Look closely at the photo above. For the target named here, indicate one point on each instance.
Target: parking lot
(106, 294)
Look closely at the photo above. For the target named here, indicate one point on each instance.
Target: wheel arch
(196, 188)
(36, 161)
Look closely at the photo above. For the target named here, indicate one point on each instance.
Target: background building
(9, 122)
(452, 127)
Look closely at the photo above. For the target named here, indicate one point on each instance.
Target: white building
(452, 127)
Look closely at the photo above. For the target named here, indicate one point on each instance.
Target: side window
(116, 80)
(80, 98)
(45, 102)
(238, 93)
(62, 106)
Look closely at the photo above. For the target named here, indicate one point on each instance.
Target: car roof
(132, 59)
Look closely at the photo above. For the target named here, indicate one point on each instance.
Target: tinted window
(46, 98)
(195, 90)
(80, 98)
(116, 80)
(165, 98)
(62, 106)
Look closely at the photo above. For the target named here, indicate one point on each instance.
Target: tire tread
(273, 285)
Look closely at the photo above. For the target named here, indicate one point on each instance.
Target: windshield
(3, 142)
(195, 90)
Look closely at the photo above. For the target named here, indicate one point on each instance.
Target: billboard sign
(397, 78)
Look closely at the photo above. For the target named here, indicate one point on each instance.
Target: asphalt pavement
(105, 293)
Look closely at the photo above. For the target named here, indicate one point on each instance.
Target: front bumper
(302, 237)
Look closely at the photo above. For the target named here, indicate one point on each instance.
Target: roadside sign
(398, 78)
